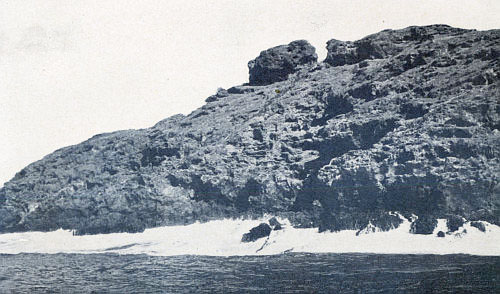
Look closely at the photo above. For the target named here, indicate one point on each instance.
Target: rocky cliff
(401, 121)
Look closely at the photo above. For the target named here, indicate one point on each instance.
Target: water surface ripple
(285, 273)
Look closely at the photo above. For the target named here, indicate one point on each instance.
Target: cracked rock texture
(275, 64)
(403, 120)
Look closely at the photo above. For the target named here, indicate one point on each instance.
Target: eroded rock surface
(275, 64)
(405, 121)
(260, 231)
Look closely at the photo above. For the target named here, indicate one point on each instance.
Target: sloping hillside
(405, 120)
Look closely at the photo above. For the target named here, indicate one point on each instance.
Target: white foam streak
(222, 238)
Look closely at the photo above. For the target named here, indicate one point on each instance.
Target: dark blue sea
(286, 273)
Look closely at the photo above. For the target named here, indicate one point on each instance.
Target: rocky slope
(405, 120)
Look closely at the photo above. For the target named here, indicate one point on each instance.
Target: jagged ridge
(405, 120)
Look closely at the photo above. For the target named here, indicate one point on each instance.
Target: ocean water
(283, 273)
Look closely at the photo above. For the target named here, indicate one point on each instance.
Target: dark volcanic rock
(406, 121)
(479, 225)
(392, 43)
(275, 224)
(423, 225)
(221, 93)
(275, 64)
(454, 223)
(440, 234)
(260, 231)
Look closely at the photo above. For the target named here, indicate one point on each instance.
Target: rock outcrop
(401, 121)
(260, 231)
(275, 64)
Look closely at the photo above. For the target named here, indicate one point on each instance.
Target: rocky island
(402, 122)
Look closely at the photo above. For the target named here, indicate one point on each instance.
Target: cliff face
(405, 121)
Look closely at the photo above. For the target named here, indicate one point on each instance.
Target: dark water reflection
(288, 273)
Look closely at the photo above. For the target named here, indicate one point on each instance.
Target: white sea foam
(223, 238)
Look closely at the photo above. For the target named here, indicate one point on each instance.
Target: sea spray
(223, 238)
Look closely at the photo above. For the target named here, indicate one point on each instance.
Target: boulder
(479, 225)
(454, 222)
(423, 226)
(275, 64)
(440, 234)
(260, 231)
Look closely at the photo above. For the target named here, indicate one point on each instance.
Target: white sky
(72, 69)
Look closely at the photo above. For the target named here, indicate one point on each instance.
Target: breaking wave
(223, 238)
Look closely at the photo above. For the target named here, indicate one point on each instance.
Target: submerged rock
(260, 231)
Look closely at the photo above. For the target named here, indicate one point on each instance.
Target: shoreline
(224, 239)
